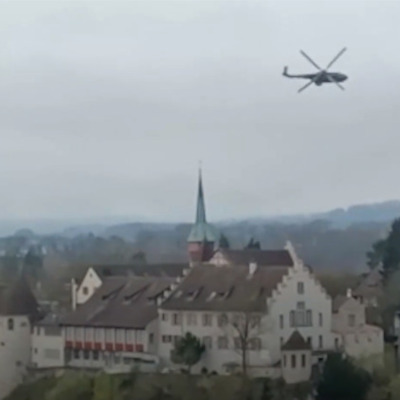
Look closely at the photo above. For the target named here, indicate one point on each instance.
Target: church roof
(260, 257)
(202, 231)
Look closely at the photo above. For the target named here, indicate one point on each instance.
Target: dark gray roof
(166, 270)
(227, 288)
(125, 302)
(50, 320)
(296, 342)
(18, 299)
(261, 257)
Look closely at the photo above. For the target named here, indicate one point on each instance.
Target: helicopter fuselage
(322, 78)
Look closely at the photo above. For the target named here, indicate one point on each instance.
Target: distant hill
(338, 239)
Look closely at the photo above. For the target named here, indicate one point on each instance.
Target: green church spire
(201, 208)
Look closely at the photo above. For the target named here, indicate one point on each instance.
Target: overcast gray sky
(106, 108)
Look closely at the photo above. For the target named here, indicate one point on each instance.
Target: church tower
(203, 236)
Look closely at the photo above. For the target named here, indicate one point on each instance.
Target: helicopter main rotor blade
(338, 55)
(334, 81)
(305, 86)
(311, 82)
(310, 60)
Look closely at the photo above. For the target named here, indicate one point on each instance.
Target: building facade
(18, 311)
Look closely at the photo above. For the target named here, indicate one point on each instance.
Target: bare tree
(246, 328)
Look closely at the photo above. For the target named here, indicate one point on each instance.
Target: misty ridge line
(337, 218)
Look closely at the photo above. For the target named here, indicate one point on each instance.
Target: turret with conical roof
(203, 235)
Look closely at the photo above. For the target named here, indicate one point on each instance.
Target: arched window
(10, 324)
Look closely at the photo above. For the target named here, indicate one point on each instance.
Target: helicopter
(323, 76)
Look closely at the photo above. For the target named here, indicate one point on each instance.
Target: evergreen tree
(342, 380)
(387, 252)
(223, 242)
(187, 351)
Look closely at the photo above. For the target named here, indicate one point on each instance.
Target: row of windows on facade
(107, 334)
(11, 324)
(310, 341)
(222, 342)
(297, 318)
(207, 319)
(95, 355)
(293, 360)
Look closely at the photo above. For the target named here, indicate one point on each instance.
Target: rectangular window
(129, 336)
(207, 319)
(207, 341)
(320, 341)
(95, 355)
(352, 320)
(284, 360)
(300, 314)
(166, 338)
(98, 337)
(151, 338)
(320, 319)
(300, 287)
(139, 336)
(109, 335)
(303, 360)
(192, 319)
(309, 340)
(292, 319)
(336, 343)
(281, 322)
(164, 317)
(281, 341)
(222, 320)
(86, 354)
(176, 319)
(222, 343)
(79, 334)
(69, 333)
(309, 318)
(77, 354)
(119, 335)
(88, 334)
(293, 360)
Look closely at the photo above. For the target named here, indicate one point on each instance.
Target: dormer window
(212, 296)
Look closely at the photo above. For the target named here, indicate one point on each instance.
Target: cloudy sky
(107, 107)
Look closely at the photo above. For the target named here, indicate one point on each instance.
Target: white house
(117, 327)
(18, 310)
(47, 344)
(282, 298)
(358, 339)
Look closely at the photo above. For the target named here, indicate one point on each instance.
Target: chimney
(349, 293)
(74, 289)
(252, 268)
